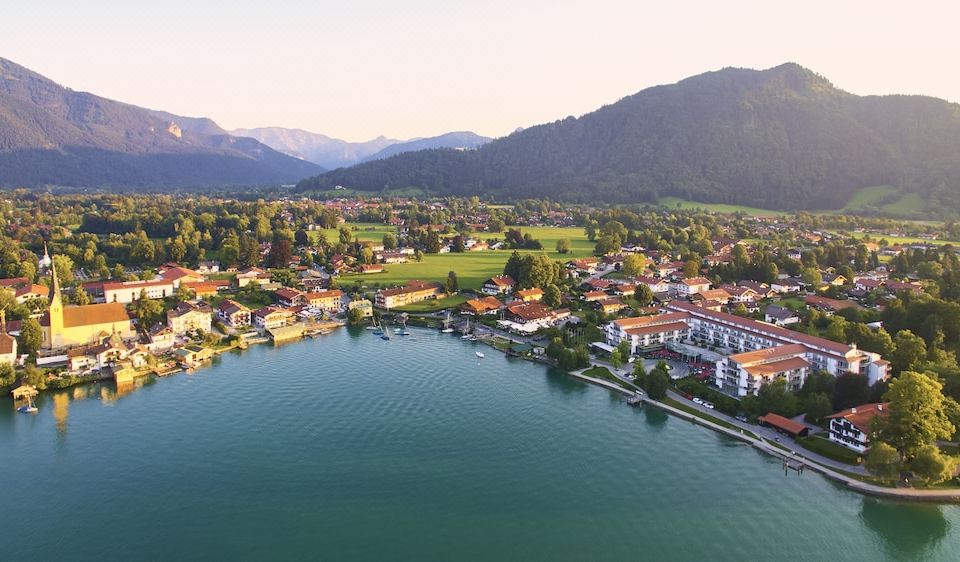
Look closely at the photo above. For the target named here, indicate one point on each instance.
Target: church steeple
(56, 310)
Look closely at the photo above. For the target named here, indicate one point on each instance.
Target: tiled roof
(861, 416)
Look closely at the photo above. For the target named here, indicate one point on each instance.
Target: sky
(357, 69)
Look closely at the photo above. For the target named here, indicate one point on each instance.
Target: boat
(28, 408)
(480, 354)
(447, 330)
(446, 325)
(404, 332)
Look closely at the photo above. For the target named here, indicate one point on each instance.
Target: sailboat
(480, 354)
(446, 325)
(28, 408)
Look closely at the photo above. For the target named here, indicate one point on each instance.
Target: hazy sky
(356, 69)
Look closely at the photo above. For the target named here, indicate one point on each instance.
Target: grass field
(896, 239)
(830, 449)
(433, 305)
(882, 197)
(472, 268)
(675, 202)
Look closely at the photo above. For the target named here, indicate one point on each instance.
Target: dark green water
(352, 448)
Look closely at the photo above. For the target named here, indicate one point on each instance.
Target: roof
(502, 281)
(529, 292)
(861, 416)
(91, 315)
(627, 323)
(657, 328)
(783, 423)
(824, 302)
(7, 344)
(767, 370)
(769, 354)
(411, 287)
(331, 294)
(482, 305)
(695, 281)
(32, 289)
(135, 284)
(14, 282)
(178, 272)
(230, 307)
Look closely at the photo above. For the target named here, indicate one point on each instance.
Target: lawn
(830, 449)
(472, 268)
(433, 305)
(603, 373)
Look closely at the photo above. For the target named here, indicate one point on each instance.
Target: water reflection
(655, 417)
(908, 530)
(61, 410)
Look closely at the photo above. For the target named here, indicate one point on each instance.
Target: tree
(64, 267)
(563, 246)
(883, 461)
(452, 285)
(691, 268)
(81, 297)
(608, 244)
(776, 398)
(345, 235)
(850, 390)
(633, 265)
(643, 295)
(916, 414)
(932, 466)
(555, 348)
(615, 359)
(551, 295)
(280, 253)
(495, 225)
(34, 376)
(817, 406)
(389, 241)
(811, 276)
(31, 336)
(176, 250)
(249, 255)
(7, 375)
(147, 310)
(355, 316)
(639, 373)
(657, 383)
(910, 351)
(741, 310)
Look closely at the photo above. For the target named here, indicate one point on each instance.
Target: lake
(351, 447)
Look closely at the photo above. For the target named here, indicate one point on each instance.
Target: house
(611, 305)
(895, 287)
(828, 305)
(668, 268)
(30, 292)
(177, 275)
(787, 285)
(193, 355)
(203, 289)
(412, 292)
(528, 317)
(327, 301)
(594, 296)
(371, 268)
(598, 284)
(655, 285)
(868, 284)
(691, 286)
(160, 338)
(252, 275)
(499, 285)
(719, 295)
(740, 294)
(126, 292)
(625, 290)
(233, 313)
(394, 257)
(585, 265)
(189, 316)
(780, 316)
(270, 317)
(8, 343)
(288, 297)
(365, 306)
(529, 295)
(762, 290)
(480, 307)
(207, 267)
(851, 427)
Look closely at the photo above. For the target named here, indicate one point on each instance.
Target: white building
(128, 291)
(691, 286)
(746, 372)
(851, 428)
(648, 331)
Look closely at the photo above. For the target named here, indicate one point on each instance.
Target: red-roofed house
(851, 428)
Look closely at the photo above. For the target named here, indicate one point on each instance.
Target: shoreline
(943, 496)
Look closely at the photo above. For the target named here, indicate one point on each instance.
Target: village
(797, 327)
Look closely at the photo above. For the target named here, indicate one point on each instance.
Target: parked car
(742, 418)
(708, 405)
(697, 400)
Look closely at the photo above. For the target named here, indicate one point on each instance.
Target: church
(70, 326)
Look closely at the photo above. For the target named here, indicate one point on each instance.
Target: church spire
(55, 283)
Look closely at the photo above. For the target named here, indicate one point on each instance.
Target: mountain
(314, 147)
(459, 140)
(782, 138)
(335, 153)
(53, 135)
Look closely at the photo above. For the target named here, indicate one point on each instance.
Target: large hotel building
(755, 352)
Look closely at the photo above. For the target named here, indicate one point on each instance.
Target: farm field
(674, 202)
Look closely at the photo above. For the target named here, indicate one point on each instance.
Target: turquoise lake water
(348, 447)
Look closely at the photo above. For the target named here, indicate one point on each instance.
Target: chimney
(853, 410)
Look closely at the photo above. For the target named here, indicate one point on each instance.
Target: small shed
(24, 391)
(785, 425)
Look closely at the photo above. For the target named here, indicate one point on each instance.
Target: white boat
(28, 408)
(447, 330)
(480, 354)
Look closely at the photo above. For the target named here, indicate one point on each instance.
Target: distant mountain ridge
(782, 138)
(336, 153)
(51, 135)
